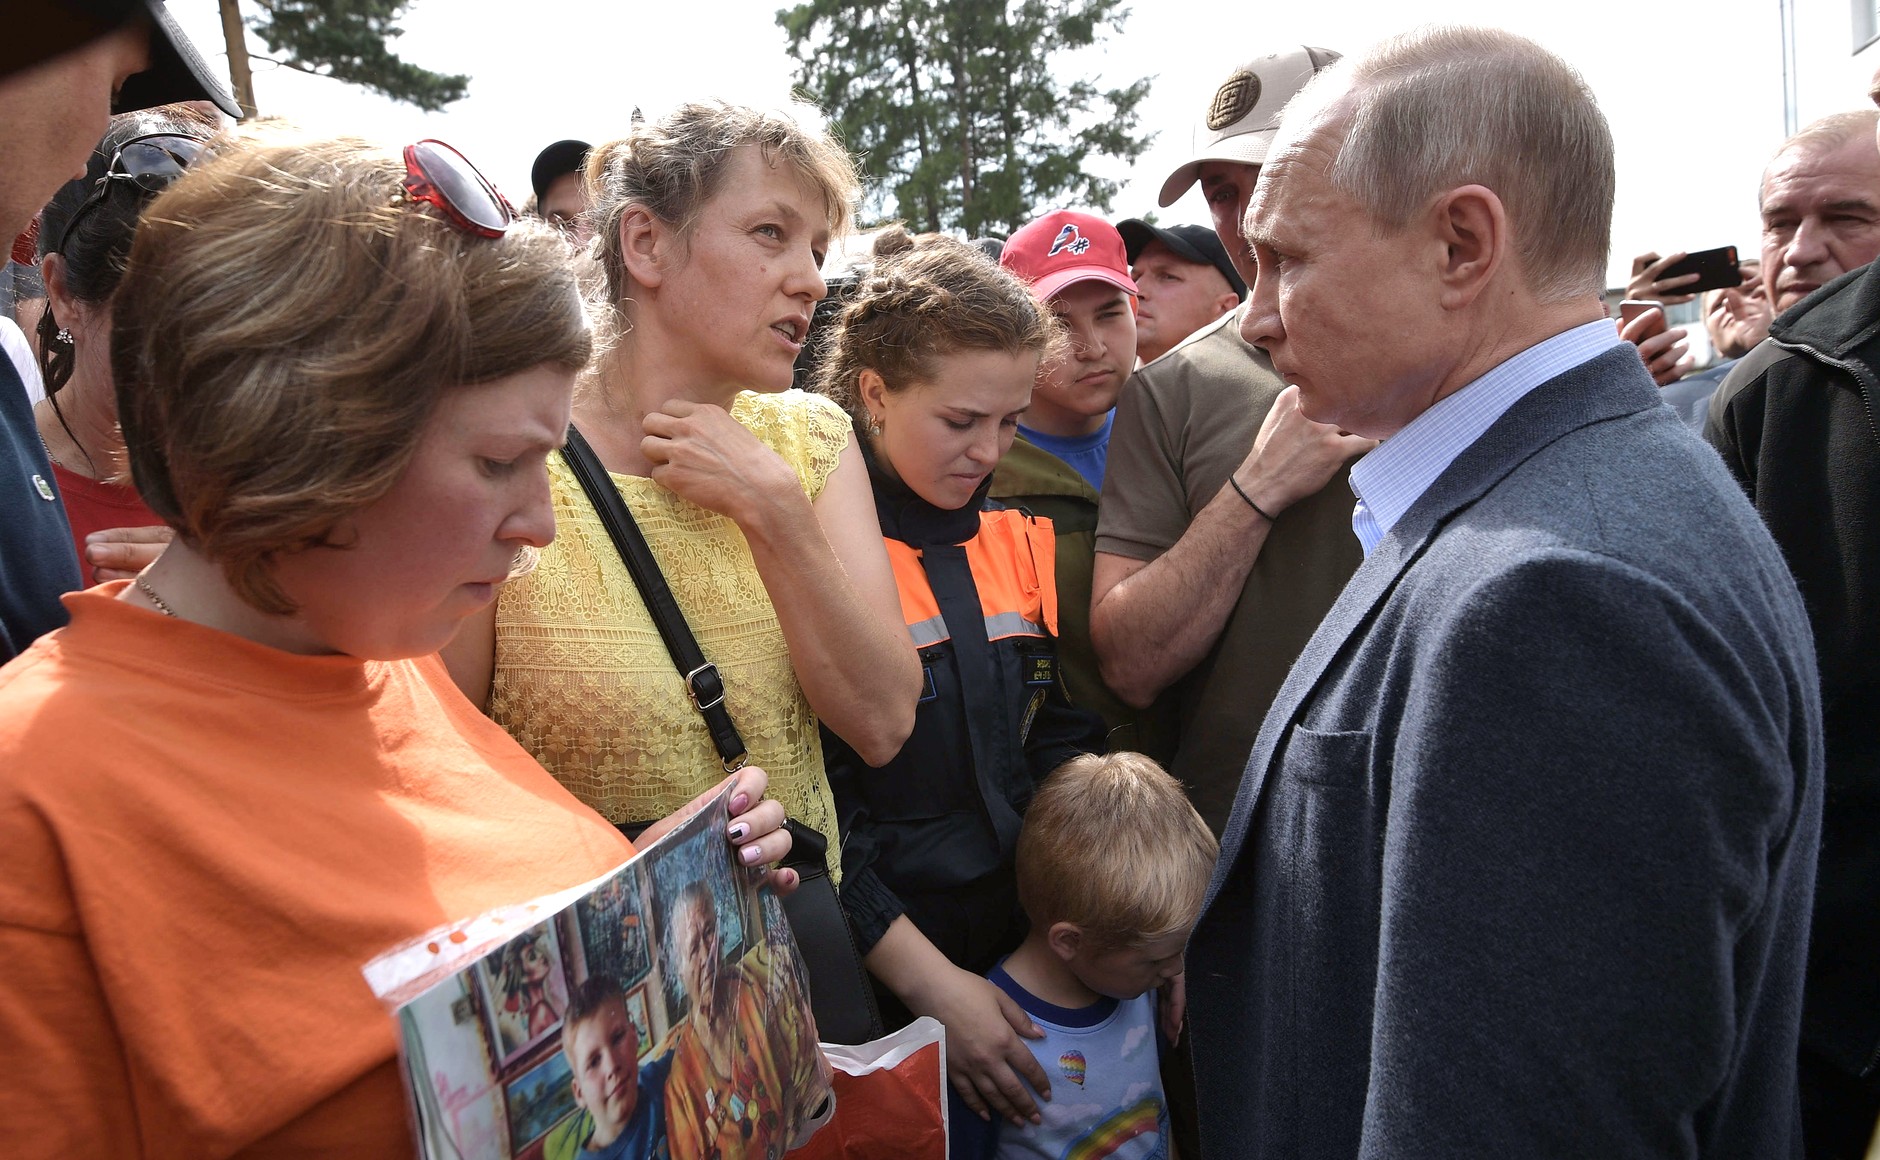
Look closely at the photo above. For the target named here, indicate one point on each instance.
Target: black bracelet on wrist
(1242, 492)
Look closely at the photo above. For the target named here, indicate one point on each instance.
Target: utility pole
(1790, 114)
(238, 71)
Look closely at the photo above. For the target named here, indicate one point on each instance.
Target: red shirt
(93, 506)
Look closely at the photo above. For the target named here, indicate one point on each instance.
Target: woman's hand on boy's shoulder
(985, 1056)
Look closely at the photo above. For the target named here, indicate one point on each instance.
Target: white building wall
(1836, 55)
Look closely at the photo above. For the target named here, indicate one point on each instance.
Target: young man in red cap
(1077, 263)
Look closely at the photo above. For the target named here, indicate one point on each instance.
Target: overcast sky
(1693, 89)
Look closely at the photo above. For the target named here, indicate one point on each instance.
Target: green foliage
(954, 108)
(346, 40)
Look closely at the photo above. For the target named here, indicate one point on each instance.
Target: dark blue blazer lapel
(1607, 387)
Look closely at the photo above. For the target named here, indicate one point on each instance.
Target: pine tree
(954, 109)
(343, 39)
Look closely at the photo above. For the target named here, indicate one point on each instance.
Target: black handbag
(840, 992)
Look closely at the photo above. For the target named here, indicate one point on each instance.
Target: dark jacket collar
(1605, 387)
(912, 520)
(1836, 319)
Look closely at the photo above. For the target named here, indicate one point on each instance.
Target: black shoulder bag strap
(703, 686)
(840, 992)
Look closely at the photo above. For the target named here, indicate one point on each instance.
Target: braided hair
(926, 297)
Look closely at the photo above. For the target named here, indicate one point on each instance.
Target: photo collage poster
(661, 1011)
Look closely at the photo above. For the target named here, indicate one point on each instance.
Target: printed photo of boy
(622, 1101)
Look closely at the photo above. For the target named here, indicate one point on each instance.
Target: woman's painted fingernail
(740, 802)
(738, 831)
(752, 854)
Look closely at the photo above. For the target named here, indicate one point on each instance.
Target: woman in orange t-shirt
(227, 785)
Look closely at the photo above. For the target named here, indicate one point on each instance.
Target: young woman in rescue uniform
(935, 358)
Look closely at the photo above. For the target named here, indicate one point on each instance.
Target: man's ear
(1471, 225)
(645, 245)
(1065, 939)
(1224, 302)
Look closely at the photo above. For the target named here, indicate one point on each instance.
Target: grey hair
(1441, 107)
(1823, 136)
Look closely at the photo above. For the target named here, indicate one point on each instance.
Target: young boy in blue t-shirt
(1113, 864)
(623, 1101)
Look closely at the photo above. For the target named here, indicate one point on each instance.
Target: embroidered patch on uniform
(1233, 100)
(44, 489)
(1073, 1064)
(1040, 670)
(1031, 714)
(1070, 239)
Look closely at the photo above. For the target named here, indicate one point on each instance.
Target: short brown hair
(1441, 107)
(286, 324)
(673, 166)
(1112, 844)
(926, 297)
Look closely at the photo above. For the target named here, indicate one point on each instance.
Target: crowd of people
(1313, 684)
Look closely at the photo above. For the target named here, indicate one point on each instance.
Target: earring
(874, 427)
(63, 338)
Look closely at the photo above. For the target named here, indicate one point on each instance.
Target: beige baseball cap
(1243, 115)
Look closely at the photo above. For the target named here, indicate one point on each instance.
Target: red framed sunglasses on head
(439, 175)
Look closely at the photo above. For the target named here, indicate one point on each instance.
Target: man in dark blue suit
(1522, 861)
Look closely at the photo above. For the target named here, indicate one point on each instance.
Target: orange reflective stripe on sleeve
(1018, 596)
(918, 607)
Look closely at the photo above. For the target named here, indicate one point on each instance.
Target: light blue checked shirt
(1395, 474)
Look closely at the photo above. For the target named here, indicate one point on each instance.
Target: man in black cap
(1186, 281)
(560, 194)
(54, 107)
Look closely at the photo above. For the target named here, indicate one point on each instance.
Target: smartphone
(1633, 307)
(1718, 267)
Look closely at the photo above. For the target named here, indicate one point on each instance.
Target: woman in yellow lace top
(711, 228)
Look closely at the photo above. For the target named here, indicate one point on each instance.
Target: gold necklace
(143, 586)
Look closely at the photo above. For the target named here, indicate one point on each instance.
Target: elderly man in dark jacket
(1522, 861)
(1795, 422)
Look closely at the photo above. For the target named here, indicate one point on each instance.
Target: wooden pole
(238, 71)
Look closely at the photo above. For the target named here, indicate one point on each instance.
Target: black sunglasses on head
(150, 163)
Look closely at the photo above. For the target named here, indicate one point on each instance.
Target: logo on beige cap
(1233, 100)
